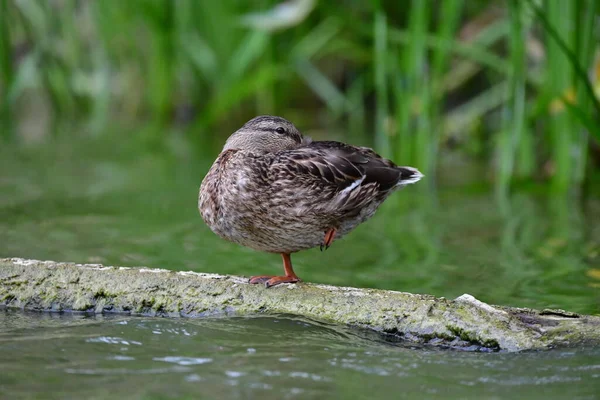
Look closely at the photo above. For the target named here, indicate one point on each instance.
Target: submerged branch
(464, 322)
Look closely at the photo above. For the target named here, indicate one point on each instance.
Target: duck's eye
(280, 129)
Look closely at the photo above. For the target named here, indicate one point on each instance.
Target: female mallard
(271, 189)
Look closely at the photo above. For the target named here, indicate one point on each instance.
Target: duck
(274, 190)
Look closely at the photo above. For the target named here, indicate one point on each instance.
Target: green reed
(6, 74)
(405, 78)
(569, 34)
(380, 58)
(513, 131)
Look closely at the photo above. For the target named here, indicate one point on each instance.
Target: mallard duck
(274, 190)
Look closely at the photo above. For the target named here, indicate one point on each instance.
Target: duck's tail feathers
(408, 175)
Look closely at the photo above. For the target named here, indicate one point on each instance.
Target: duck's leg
(290, 275)
(329, 236)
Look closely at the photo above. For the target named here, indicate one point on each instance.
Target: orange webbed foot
(328, 239)
(273, 280)
(259, 279)
(268, 280)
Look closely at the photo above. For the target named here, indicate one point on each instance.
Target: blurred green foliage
(513, 82)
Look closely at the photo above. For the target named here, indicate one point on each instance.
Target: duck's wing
(333, 176)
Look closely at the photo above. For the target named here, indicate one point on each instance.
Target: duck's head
(266, 134)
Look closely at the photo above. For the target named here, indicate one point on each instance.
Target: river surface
(120, 203)
(59, 356)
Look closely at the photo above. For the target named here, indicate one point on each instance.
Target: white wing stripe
(352, 186)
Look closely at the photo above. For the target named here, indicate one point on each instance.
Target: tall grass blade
(572, 57)
(585, 48)
(356, 117)
(447, 25)
(419, 73)
(6, 73)
(251, 48)
(380, 45)
(473, 52)
(322, 86)
(560, 75)
(514, 112)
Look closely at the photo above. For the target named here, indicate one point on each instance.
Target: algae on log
(461, 323)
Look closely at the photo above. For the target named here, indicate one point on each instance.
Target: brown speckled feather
(285, 201)
(336, 179)
(272, 189)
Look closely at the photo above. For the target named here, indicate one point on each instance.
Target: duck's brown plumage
(288, 200)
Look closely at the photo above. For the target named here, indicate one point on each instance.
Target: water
(95, 201)
(92, 201)
(267, 358)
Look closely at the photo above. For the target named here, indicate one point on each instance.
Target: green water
(114, 202)
(53, 356)
(122, 205)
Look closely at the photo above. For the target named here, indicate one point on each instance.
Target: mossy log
(464, 322)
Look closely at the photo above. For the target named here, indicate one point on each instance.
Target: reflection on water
(96, 202)
(53, 356)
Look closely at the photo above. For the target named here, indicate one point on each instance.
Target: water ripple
(112, 340)
(184, 360)
(124, 371)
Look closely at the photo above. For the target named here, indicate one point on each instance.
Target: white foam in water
(184, 360)
(193, 378)
(121, 358)
(112, 340)
(234, 374)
